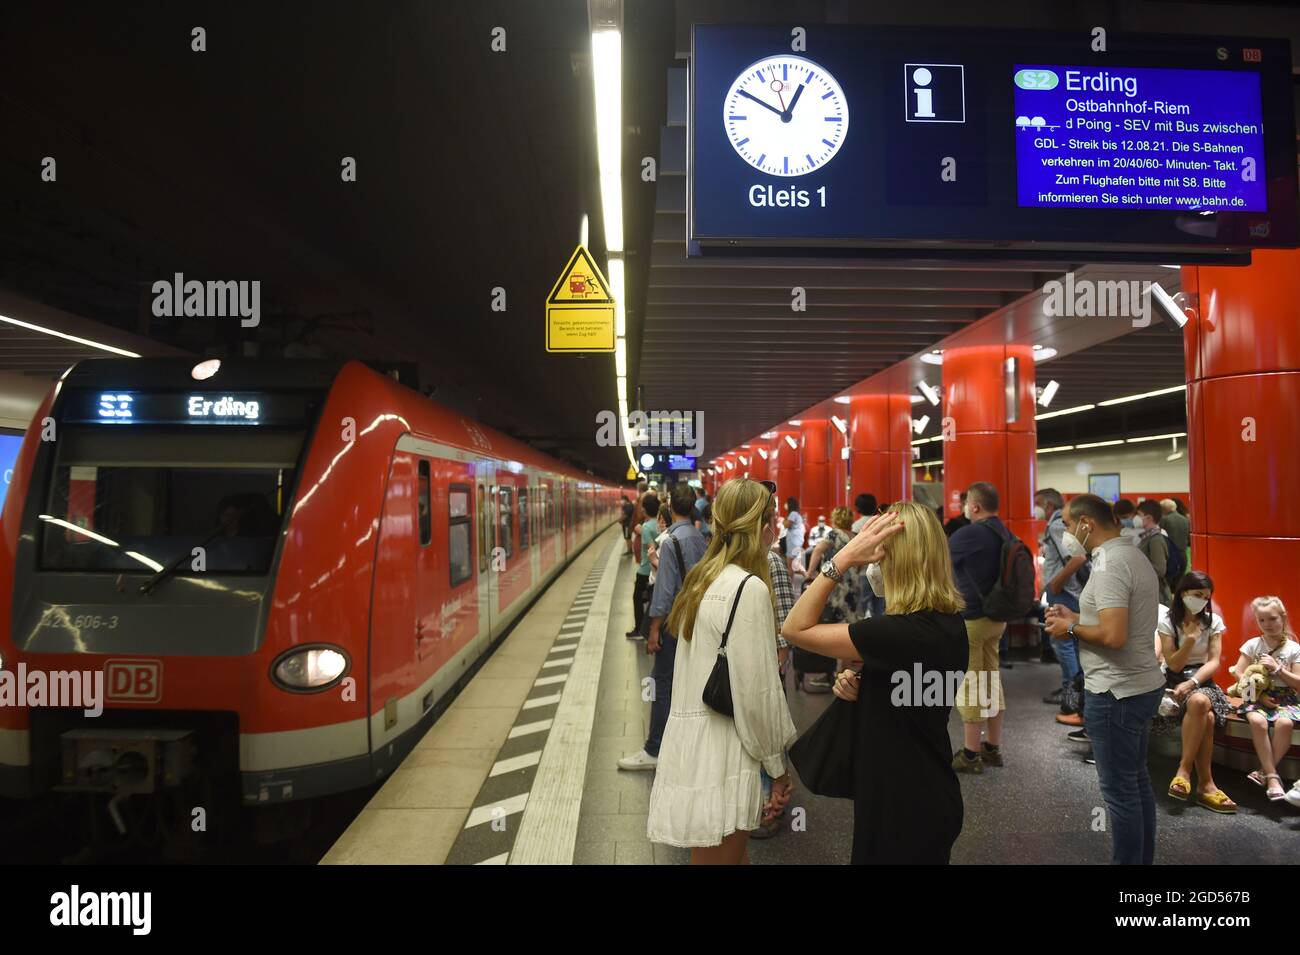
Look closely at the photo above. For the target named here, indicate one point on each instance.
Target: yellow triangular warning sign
(580, 281)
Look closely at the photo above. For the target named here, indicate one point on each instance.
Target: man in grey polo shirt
(688, 548)
(1122, 680)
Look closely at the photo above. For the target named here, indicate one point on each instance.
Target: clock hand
(760, 102)
(789, 110)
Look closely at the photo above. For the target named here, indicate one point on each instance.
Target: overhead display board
(1011, 142)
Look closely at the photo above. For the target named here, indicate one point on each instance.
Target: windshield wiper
(148, 586)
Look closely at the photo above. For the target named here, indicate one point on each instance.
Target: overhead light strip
(72, 338)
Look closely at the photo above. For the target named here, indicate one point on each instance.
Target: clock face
(785, 116)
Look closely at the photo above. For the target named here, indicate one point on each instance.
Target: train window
(506, 522)
(458, 534)
(484, 544)
(424, 507)
(523, 518)
(138, 500)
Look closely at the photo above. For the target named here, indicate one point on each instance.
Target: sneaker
(1054, 697)
(817, 683)
(767, 829)
(1069, 719)
(1293, 795)
(641, 760)
(634, 635)
(1090, 759)
(992, 757)
(963, 764)
(1078, 736)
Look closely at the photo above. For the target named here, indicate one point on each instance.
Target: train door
(512, 539)
(485, 536)
(545, 514)
(394, 604)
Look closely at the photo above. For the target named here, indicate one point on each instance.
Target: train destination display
(840, 138)
(1142, 138)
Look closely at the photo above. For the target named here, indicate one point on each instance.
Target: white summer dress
(707, 783)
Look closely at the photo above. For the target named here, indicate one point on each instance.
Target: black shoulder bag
(717, 691)
(824, 754)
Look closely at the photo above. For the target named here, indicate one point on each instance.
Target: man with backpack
(1155, 545)
(995, 573)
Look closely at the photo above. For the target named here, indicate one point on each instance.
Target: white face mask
(1194, 604)
(965, 512)
(876, 578)
(1040, 512)
(1073, 546)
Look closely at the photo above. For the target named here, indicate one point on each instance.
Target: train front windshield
(139, 499)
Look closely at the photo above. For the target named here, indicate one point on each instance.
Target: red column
(880, 436)
(783, 465)
(1243, 389)
(985, 446)
(757, 463)
(814, 470)
(839, 465)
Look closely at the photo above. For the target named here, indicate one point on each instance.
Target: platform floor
(1041, 807)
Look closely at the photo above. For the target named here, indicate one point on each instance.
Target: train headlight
(310, 669)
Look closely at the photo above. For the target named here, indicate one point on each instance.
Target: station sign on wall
(837, 136)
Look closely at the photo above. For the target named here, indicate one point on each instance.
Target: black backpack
(1014, 594)
(1176, 563)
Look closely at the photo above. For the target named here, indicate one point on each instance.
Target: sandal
(1180, 787)
(1258, 779)
(1281, 791)
(1217, 801)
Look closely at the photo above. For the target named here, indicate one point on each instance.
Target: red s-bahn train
(280, 570)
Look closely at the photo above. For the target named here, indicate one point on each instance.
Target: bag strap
(732, 616)
(681, 558)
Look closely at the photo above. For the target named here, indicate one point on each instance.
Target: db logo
(133, 681)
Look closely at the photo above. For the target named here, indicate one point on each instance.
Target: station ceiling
(474, 170)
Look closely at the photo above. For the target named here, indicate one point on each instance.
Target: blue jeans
(1067, 650)
(662, 674)
(1118, 730)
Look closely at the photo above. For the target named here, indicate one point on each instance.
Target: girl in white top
(708, 795)
(657, 546)
(1191, 637)
(1276, 649)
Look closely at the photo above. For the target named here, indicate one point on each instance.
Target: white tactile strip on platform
(508, 794)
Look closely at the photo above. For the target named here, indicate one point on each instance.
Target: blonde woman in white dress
(708, 794)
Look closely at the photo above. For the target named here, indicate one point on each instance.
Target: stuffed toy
(1255, 686)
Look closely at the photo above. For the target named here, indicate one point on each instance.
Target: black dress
(907, 806)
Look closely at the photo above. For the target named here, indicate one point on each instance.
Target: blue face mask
(1126, 522)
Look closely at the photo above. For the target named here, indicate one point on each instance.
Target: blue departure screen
(9, 445)
(1139, 139)
(1160, 148)
(681, 462)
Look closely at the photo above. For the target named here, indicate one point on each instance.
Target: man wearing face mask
(1118, 613)
(1152, 542)
(1063, 586)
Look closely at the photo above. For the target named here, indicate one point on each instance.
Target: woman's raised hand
(868, 545)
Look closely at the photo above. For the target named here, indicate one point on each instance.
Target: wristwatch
(831, 571)
(1070, 633)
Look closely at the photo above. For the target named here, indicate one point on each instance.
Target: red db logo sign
(133, 681)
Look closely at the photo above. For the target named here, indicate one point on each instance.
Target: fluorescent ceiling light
(762, 452)
(842, 399)
(1056, 414)
(743, 460)
(796, 422)
(931, 393)
(1099, 444)
(1158, 437)
(840, 424)
(1049, 392)
(1063, 447)
(71, 338)
(607, 75)
(918, 424)
(622, 388)
(790, 441)
(1145, 394)
(205, 369)
(933, 357)
(620, 358)
(768, 435)
(1043, 353)
(915, 399)
(1170, 312)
